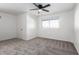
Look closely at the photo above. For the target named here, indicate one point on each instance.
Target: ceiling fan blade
(35, 4)
(45, 10)
(46, 5)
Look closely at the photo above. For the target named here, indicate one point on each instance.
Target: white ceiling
(16, 8)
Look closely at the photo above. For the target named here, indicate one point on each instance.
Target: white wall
(21, 26)
(66, 30)
(26, 26)
(7, 26)
(31, 27)
(76, 42)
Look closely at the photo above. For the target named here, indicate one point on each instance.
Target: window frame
(50, 24)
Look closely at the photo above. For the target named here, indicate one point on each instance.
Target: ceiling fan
(40, 7)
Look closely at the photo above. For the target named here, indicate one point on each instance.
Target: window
(54, 23)
(45, 24)
(50, 23)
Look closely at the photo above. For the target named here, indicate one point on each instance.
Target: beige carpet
(37, 46)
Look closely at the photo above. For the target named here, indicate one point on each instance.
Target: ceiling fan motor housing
(40, 6)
